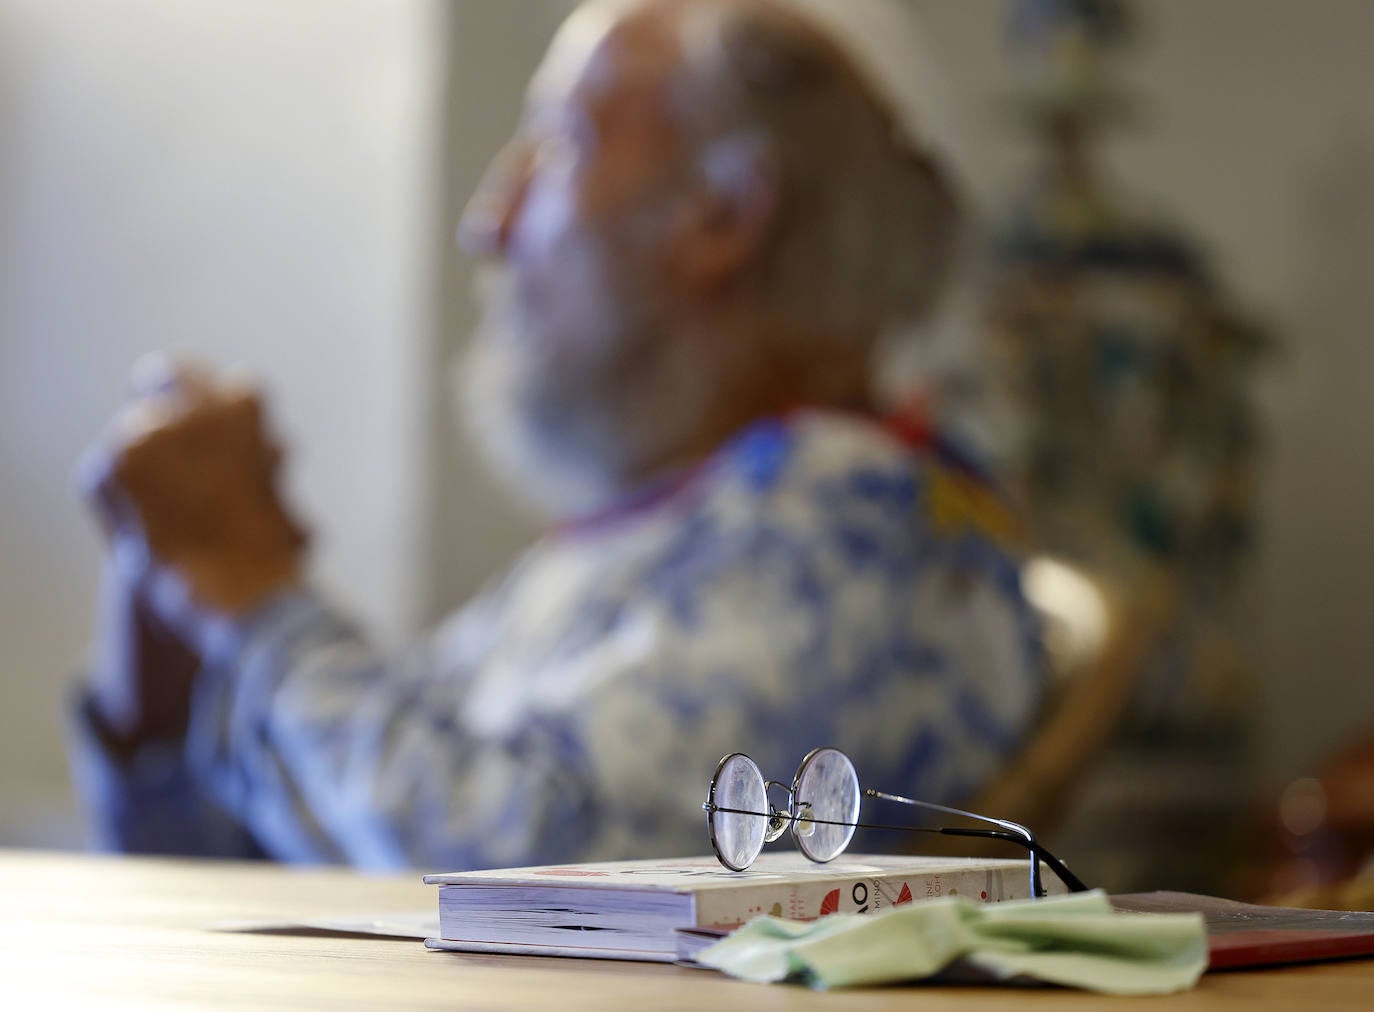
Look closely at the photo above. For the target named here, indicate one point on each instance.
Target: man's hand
(189, 473)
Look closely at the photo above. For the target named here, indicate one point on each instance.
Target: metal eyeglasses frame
(797, 814)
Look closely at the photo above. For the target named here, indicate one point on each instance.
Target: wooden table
(100, 932)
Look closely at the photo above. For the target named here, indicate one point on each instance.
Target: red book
(1248, 935)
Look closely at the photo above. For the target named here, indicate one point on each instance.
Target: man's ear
(732, 214)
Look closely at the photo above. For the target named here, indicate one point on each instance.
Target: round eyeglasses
(822, 810)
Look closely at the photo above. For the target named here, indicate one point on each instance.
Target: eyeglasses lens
(738, 838)
(826, 791)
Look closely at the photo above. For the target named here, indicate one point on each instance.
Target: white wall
(248, 180)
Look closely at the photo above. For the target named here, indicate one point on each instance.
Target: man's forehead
(599, 50)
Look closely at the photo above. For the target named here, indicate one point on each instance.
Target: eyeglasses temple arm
(1013, 827)
(1037, 851)
(1015, 831)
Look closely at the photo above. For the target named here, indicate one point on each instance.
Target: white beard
(571, 435)
(497, 397)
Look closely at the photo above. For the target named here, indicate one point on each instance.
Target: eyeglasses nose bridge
(778, 818)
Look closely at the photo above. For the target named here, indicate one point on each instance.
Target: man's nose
(490, 217)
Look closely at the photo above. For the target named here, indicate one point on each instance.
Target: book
(1248, 934)
(633, 909)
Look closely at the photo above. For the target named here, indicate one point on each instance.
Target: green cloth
(1076, 940)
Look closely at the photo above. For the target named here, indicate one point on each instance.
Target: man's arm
(182, 488)
(333, 752)
(325, 750)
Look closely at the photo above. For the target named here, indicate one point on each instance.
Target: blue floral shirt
(817, 582)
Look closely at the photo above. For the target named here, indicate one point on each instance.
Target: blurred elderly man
(705, 222)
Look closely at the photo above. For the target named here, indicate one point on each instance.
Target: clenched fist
(189, 471)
